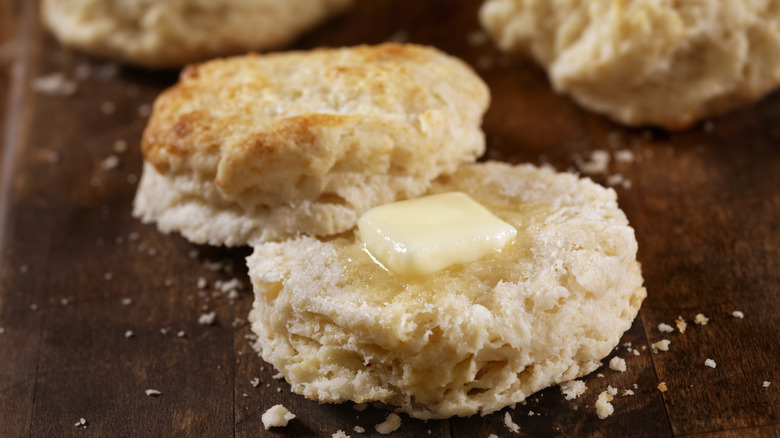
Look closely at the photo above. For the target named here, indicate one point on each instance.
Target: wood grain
(96, 308)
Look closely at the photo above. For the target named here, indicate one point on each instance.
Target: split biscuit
(172, 33)
(256, 148)
(647, 62)
(470, 338)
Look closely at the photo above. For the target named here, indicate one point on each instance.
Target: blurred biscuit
(257, 148)
(647, 62)
(471, 338)
(171, 33)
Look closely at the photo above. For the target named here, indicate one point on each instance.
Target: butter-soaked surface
(470, 279)
(471, 338)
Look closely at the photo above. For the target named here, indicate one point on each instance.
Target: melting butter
(424, 235)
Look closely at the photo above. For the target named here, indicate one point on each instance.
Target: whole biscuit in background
(647, 62)
(256, 148)
(172, 33)
(470, 338)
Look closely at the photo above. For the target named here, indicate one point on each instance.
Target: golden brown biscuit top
(259, 123)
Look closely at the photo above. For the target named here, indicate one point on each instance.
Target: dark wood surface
(705, 204)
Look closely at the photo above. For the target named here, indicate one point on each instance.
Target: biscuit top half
(284, 128)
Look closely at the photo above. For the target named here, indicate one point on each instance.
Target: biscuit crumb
(665, 328)
(624, 156)
(701, 319)
(255, 382)
(127, 301)
(111, 162)
(276, 416)
(710, 363)
(611, 391)
(618, 364)
(511, 425)
(628, 392)
(129, 334)
(492, 435)
(390, 425)
(573, 389)
(476, 38)
(681, 324)
(662, 345)
(81, 422)
(360, 407)
(107, 107)
(766, 384)
(202, 283)
(359, 429)
(597, 163)
(153, 392)
(340, 434)
(662, 387)
(120, 146)
(603, 406)
(207, 318)
(55, 84)
(737, 314)
(181, 334)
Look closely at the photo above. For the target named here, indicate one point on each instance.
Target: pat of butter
(424, 235)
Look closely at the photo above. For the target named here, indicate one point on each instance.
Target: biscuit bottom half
(471, 338)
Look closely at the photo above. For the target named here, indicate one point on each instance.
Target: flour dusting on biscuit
(470, 338)
(257, 148)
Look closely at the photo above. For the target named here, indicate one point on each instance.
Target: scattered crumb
(129, 334)
(207, 318)
(665, 328)
(737, 314)
(23, 269)
(573, 389)
(624, 156)
(617, 179)
(359, 429)
(603, 406)
(492, 435)
(127, 301)
(202, 283)
(611, 391)
(618, 364)
(55, 84)
(599, 375)
(628, 392)
(81, 422)
(153, 392)
(596, 163)
(662, 345)
(229, 286)
(111, 162)
(33, 306)
(180, 334)
(662, 387)
(485, 62)
(766, 384)
(2, 330)
(681, 324)
(391, 424)
(144, 110)
(193, 254)
(278, 376)
(107, 107)
(340, 434)
(700, 319)
(108, 276)
(120, 146)
(476, 38)
(276, 416)
(255, 382)
(399, 36)
(511, 425)
(710, 363)
(360, 407)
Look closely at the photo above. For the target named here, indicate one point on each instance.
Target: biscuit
(257, 148)
(171, 33)
(468, 339)
(647, 62)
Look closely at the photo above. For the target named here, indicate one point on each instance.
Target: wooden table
(96, 308)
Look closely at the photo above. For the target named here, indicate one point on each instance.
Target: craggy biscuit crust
(647, 62)
(468, 339)
(331, 132)
(172, 33)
